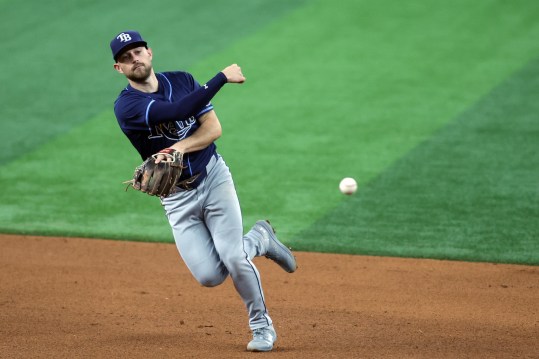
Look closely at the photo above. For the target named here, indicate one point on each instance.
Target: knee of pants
(236, 263)
(210, 279)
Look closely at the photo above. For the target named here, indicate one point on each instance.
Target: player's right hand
(233, 74)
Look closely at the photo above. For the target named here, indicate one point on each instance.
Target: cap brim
(129, 47)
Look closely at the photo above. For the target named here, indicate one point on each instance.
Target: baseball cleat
(263, 339)
(275, 250)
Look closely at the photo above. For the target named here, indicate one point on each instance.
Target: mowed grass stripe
(470, 192)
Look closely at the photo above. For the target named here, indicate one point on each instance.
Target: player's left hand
(159, 174)
(158, 157)
(167, 155)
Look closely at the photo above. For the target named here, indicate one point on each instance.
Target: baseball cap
(123, 40)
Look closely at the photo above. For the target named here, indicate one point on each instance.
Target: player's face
(135, 64)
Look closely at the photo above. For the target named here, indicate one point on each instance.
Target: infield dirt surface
(87, 298)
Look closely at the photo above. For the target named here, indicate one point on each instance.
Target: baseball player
(171, 111)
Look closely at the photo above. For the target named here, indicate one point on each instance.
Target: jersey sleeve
(195, 103)
(195, 86)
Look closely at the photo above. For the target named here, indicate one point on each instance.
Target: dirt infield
(80, 298)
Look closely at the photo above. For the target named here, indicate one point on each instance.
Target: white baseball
(348, 185)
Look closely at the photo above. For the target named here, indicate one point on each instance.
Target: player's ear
(150, 52)
(118, 68)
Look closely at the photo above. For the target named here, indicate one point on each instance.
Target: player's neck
(149, 85)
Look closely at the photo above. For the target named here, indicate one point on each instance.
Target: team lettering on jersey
(175, 131)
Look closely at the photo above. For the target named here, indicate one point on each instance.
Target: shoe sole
(259, 350)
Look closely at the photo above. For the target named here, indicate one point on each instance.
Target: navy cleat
(263, 339)
(275, 250)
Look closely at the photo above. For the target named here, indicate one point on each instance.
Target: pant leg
(193, 240)
(223, 219)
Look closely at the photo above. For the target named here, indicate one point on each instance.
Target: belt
(191, 183)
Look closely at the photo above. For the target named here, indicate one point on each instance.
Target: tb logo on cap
(123, 37)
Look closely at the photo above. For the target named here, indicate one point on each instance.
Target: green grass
(378, 91)
(80, 192)
(468, 192)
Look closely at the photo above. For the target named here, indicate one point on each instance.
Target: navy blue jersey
(132, 109)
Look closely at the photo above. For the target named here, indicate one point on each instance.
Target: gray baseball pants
(207, 227)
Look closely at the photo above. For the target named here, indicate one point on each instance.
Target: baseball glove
(158, 179)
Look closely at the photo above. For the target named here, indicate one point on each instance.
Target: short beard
(140, 77)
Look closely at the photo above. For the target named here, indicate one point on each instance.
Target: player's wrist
(178, 146)
(220, 78)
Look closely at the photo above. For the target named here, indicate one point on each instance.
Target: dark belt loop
(192, 182)
(186, 183)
